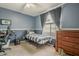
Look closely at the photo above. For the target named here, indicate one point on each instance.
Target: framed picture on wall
(5, 21)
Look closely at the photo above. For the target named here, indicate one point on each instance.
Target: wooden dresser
(68, 40)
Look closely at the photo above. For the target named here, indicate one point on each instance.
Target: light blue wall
(70, 16)
(38, 23)
(19, 21)
(38, 27)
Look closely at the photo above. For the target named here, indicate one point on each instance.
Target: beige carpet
(33, 50)
(27, 49)
(30, 48)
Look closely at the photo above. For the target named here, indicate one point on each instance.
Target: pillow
(31, 32)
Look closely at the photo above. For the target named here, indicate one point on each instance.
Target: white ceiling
(33, 11)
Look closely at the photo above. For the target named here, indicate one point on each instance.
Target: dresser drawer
(71, 39)
(71, 53)
(71, 50)
(69, 44)
(71, 34)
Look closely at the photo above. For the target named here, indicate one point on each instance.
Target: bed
(38, 38)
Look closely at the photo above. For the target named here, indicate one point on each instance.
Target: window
(50, 27)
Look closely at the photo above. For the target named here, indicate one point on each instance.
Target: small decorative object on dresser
(68, 41)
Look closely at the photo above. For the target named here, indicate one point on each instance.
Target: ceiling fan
(30, 5)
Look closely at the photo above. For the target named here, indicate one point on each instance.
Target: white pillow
(31, 32)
